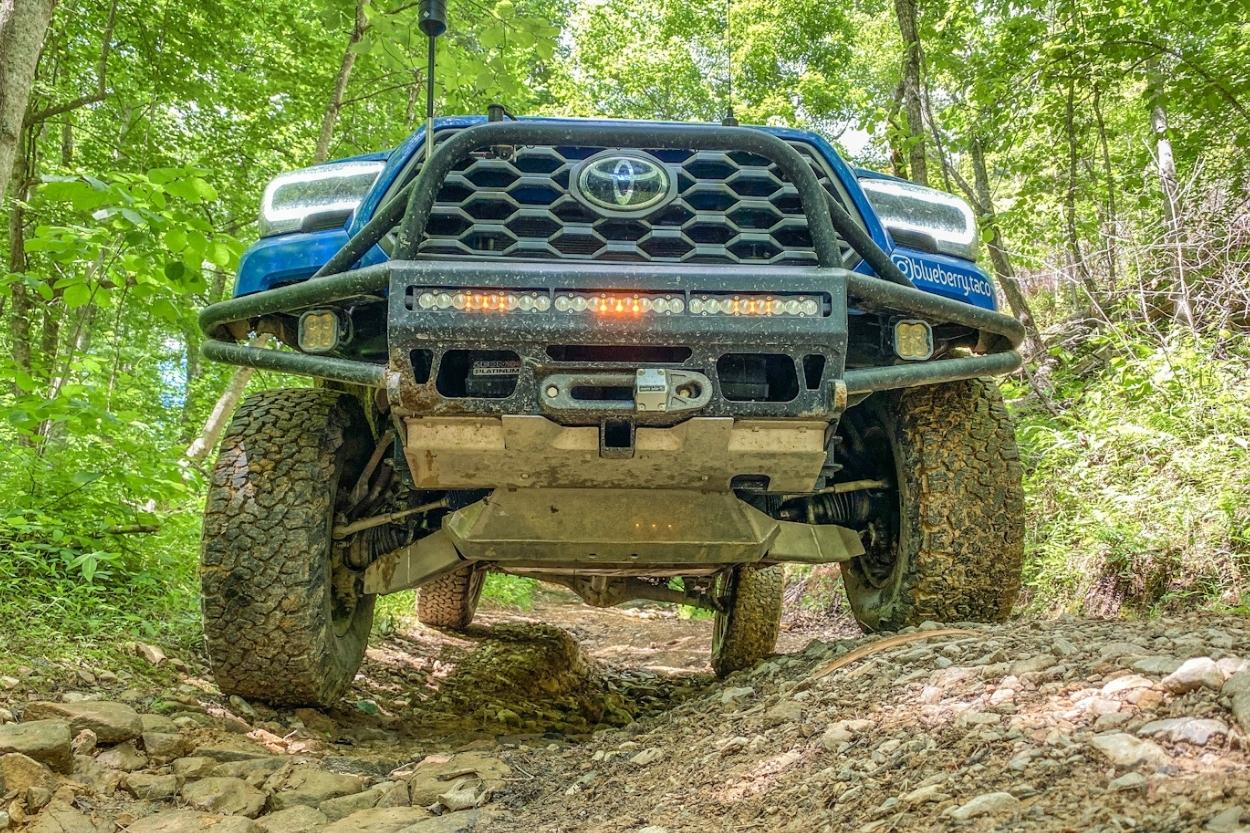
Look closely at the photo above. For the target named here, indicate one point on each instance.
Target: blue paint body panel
(288, 258)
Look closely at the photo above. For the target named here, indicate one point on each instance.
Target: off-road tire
(746, 631)
(449, 601)
(957, 551)
(275, 628)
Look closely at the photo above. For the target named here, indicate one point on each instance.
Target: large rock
(59, 817)
(1156, 664)
(158, 723)
(111, 722)
(101, 780)
(124, 756)
(984, 805)
(227, 796)
(465, 794)
(152, 787)
(164, 746)
(253, 771)
(378, 820)
(1194, 674)
(47, 741)
(1241, 710)
(192, 768)
(1125, 750)
(1195, 730)
(310, 786)
(222, 754)
(436, 774)
(298, 819)
(1238, 683)
(468, 822)
(19, 772)
(190, 821)
(343, 806)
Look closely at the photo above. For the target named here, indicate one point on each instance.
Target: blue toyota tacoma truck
(640, 360)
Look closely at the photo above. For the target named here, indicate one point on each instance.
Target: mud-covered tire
(745, 632)
(449, 601)
(275, 626)
(957, 551)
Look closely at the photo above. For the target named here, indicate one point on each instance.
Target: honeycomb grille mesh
(731, 207)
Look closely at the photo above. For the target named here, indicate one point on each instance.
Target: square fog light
(913, 340)
(321, 330)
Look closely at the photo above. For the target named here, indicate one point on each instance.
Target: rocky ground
(607, 722)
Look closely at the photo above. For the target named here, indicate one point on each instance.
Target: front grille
(731, 207)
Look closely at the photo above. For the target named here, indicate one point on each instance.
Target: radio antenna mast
(432, 18)
(729, 120)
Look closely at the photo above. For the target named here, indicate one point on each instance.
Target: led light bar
(615, 304)
(620, 304)
(797, 306)
(483, 300)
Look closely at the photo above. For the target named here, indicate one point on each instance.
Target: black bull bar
(409, 211)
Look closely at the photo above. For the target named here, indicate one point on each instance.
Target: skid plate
(611, 526)
(703, 453)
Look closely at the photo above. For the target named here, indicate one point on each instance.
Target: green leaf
(164, 309)
(76, 295)
(219, 254)
(175, 239)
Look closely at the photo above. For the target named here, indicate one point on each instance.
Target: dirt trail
(573, 719)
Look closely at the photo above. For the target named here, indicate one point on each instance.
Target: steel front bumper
(226, 323)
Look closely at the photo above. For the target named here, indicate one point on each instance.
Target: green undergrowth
(1138, 484)
(503, 590)
(142, 588)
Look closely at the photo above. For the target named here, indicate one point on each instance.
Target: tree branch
(101, 90)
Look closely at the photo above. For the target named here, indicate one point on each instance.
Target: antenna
(729, 120)
(433, 21)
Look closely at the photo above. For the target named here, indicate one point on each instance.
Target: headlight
(907, 207)
(332, 190)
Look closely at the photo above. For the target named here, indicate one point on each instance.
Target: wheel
(951, 546)
(285, 620)
(745, 632)
(450, 600)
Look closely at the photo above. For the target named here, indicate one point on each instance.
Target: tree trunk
(894, 126)
(23, 25)
(22, 310)
(331, 117)
(1111, 224)
(77, 344)
(1003, 269)
(1165, 165)
(216, 288)
(906, 12)
(1079, 266)
(204, 444)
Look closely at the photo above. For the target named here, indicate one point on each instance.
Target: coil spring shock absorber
(853, 504)
(848, 509)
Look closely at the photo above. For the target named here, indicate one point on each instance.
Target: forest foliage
(1101, 143)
